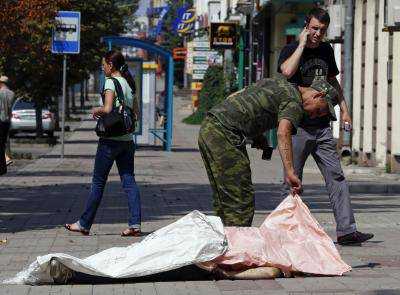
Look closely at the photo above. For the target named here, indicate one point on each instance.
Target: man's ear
(320, 94)
(302, 89)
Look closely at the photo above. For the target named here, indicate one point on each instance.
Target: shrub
(212, 93)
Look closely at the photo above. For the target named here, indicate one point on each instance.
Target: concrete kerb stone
(374, 188)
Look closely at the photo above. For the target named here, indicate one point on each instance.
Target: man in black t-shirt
(301, 63)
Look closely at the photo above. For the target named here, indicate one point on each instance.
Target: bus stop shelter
(164, 133)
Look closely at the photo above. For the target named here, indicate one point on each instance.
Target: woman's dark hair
(118, 61)
(320, 14)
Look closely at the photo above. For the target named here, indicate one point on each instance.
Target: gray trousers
(320, 144)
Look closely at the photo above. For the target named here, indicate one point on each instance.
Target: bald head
(314, 103)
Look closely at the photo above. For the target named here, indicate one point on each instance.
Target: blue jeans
(122, 152)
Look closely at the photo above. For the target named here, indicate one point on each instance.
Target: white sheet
(192, 239)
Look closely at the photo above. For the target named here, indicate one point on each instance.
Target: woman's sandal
(75, 227)
(131, 232)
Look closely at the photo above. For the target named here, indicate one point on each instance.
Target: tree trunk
(57, 112)
(67, 96)
(39, 123)
(73, 98)
(82, 96)
(96, 78)
(87, 90)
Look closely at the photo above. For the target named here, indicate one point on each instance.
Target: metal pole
(241, 61)
(185, 78)
(169, 104)
(251, 42)
(348, 64)
(63, 104)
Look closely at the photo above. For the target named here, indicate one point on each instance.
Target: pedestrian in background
(115, 148)
(302, 63)
(6, 101)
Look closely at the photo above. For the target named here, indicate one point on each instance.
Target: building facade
(376, 87)
(375, 101)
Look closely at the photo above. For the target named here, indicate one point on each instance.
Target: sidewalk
(38, 199)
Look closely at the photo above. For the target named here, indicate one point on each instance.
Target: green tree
(212, 93)
(172, 39)
(99, 18)
(25, 43)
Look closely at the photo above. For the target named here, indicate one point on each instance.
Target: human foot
(131, 232)
(76, 227)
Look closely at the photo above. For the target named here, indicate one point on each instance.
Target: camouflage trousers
(228, 168)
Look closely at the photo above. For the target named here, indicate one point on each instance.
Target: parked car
(23, 118)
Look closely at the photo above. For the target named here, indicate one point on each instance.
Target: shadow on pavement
(68, 156)
(89, 141)
(185, 150)
(51, 206)
(186, 273)
(83, 129)
(48, 173)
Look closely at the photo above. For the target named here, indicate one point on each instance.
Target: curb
(374, 188)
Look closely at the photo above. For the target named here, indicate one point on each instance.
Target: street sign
(66, 33)
(200, 57)
(200, 66)
(66, 40)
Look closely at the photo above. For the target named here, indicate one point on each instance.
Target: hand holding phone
(303, 36)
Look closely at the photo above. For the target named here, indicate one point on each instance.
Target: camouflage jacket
(260, 107)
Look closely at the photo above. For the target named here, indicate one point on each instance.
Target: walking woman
(115, 148)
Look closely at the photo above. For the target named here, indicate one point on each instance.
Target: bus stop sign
(66, 33)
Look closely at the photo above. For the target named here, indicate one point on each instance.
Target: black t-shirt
(315, 63)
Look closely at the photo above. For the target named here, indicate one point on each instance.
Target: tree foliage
(212, 93)
(25, 42)
(99, 18)
(171, 39)
(26, 39)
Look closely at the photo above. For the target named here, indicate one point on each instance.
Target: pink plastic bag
(290, 238)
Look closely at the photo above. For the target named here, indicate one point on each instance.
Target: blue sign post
(66, 40)
(66, 33)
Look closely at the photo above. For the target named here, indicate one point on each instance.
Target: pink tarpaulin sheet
(290, 238)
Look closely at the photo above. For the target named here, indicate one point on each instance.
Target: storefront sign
(223, 35)
(184, 23)
(197, 85)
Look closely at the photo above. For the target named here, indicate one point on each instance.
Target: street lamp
(247, 7)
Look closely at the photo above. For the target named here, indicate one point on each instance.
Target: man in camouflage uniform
(247, 114)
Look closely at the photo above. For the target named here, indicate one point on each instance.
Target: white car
(23, 118)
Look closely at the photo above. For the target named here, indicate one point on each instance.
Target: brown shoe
(131, 232)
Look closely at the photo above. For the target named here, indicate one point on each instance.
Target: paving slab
(38, 198)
